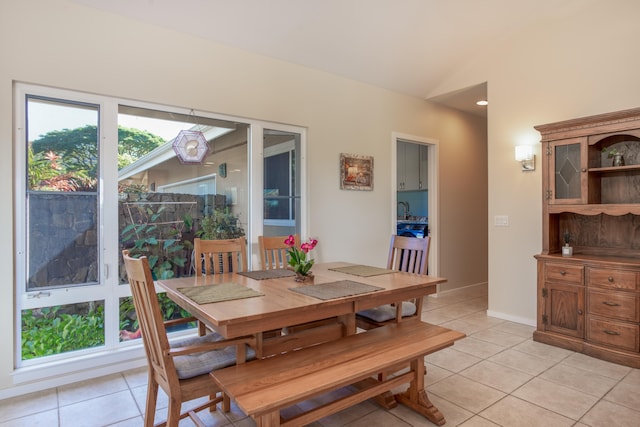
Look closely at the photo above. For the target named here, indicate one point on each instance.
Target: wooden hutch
(590, 301)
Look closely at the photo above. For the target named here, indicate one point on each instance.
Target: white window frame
(114, 356)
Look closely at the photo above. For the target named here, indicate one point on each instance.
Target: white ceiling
(408, 46)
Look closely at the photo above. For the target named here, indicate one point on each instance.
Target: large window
(97, 175)
(62, 216)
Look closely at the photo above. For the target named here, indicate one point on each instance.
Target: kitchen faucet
(405, 208)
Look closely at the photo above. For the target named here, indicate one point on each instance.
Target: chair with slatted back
(273, 251)
(217, 257)
(273, 254)
(181, 368)
(407, 254)
(220, 256)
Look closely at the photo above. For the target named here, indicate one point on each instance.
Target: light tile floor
(497, 376)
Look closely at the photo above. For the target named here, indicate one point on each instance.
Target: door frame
(432, 193)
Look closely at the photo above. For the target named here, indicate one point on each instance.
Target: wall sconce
(524, 154)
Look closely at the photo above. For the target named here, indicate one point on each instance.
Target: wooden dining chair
(273, 254)
(217, 257)
(220, 256)
(407, 254)
(273, 251)
(181, 368)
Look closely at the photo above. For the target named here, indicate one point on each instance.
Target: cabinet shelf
(588, 259)
(596, 209)
(615, 169)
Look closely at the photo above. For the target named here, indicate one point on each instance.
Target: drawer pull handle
(580, 312)
(562, 273)
(609, 332)
(610, 304)
(610, 279)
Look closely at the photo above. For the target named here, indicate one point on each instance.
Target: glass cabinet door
(568, 172)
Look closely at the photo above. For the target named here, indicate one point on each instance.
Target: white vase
(618, 160)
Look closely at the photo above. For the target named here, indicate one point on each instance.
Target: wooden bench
(262, 388)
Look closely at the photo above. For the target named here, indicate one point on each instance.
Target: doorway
(415, 190)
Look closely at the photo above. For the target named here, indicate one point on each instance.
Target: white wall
(575, 64)
(62, 44)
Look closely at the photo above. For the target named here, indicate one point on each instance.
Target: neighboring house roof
(164, 153)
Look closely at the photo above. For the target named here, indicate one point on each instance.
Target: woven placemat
(342, 288)
(362, 270)
(216, 293)
(268, 274)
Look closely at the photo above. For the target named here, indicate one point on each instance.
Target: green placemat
(216, 293)
(268, 274)
(342, 288)
(362, 270)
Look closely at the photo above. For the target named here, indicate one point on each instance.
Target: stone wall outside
(63, 230)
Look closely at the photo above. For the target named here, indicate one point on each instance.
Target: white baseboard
(517, 319)
(462, 288)
(46, 376)
(48, 383)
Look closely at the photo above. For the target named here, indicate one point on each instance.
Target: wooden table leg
(416, 397)
(259, 345)
(349, 322)
(272, 419)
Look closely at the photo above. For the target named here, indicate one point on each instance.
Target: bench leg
(416, 397)
(386, 399)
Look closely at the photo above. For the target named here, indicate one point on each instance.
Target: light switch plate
(501, 220)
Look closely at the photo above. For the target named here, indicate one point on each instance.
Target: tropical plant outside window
(62, 196)
(68, 289)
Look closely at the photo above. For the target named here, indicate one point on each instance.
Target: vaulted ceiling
(408, 46)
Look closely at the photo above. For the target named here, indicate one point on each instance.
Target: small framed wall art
(356, 172)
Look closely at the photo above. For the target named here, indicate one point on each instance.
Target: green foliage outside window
(67, 160)
(79, 146)
(48, 172)
(163, 251)
(222, 224)
(51, 330)
(129, 321)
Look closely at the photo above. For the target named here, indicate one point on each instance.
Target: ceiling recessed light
(482, 102)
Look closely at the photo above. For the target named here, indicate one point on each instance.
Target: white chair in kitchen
(407, 254)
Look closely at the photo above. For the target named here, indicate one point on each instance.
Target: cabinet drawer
(618, 305)
(618, 334)
(566, 273)
(610, 278)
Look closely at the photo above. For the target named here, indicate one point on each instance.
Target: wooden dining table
(279, 306)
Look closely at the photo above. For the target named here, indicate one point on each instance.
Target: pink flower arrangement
(298, 257)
